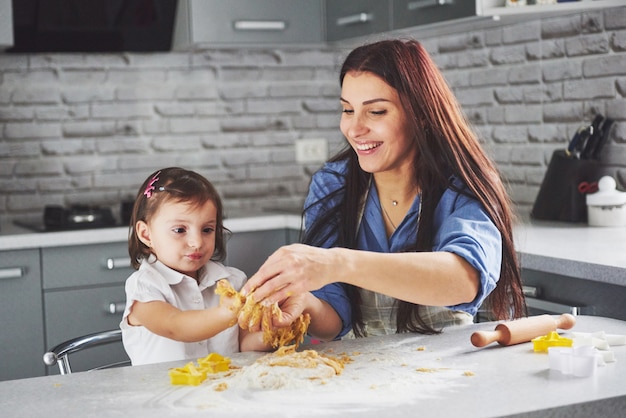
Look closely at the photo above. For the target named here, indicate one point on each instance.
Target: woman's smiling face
(374, 123)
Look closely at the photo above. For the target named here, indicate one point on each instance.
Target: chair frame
(60, 353)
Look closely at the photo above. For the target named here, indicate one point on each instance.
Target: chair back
(60, 353)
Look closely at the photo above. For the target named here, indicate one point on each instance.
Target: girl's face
(374, 123)
(181, 235)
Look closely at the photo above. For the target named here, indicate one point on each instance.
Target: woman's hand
(292, 270)
(290, 309)
(325, 323)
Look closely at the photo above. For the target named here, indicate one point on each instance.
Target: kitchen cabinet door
(245, 22)
(408, 13)
(83, 288)
(356, 18)
(6, 24)
(75, 312)
(21, 327)
(85, 265)
(498, 8)
(247, 251)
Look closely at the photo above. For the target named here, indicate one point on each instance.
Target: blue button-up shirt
(462, 227)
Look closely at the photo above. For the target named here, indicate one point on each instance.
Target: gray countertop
(592, 253)
(574, 250)
(14, 237)
(398, 375)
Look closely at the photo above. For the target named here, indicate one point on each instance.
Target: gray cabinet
(21, 329)
(247, 251)
(6, 24)
(356, 18)
(410, 13)
(558, 293)
(83, 292)
(236, 22)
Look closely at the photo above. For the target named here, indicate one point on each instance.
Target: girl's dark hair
(446, 146)
(174, 184)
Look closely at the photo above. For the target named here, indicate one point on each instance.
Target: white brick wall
(529, 86)
(88, 128)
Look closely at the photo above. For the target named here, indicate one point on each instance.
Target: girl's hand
(291, 271)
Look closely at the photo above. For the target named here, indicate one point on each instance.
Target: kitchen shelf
(494, 14)
(497, 10)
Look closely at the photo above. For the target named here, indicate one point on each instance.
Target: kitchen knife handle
(606, 130)
(593, 139)
(579, 140)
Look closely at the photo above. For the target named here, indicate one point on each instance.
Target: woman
(409, 229)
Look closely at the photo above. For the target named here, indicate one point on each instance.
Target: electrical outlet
(312, 150)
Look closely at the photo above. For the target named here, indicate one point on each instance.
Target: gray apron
(379, 311)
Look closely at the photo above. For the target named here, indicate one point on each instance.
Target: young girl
(176, 243)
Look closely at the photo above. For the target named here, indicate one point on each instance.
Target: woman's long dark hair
(446, 146)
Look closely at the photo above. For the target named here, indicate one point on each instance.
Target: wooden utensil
(522, 330)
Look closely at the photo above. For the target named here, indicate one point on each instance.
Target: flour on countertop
(374, 379)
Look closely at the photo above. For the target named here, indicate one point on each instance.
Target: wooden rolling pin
(522, 330)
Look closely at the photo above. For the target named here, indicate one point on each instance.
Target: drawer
(21, 338)
(85, 265)
(357, 18)
(77, 312)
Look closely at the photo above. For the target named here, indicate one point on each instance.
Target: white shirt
(155, 281)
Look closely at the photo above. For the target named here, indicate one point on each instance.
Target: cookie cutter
(599, 340)
(187, 375)
(553, 339)
(577, 361)
(191, 374)
(214, 363)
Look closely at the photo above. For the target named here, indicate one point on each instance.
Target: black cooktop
(58, 218)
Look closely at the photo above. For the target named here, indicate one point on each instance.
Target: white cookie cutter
(578, 361)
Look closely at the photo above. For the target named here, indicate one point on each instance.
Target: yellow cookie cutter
(193, 375)
(214, 363)
(187, 375)
(553, 339)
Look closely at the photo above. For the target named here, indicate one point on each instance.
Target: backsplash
(88, 128)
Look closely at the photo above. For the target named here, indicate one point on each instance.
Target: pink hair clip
(150, 187)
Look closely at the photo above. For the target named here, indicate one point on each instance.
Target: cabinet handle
(117, 263)
(12, 273)
(422, 4)
(355, 19)
(116, 307)
(531, 291)
(244, 25)
(552, 307)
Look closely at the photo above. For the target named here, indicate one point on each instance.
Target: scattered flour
(373, 379)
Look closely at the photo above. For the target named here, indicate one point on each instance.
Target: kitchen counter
(574, 250)
(396, 375)
(13, 237)
(580, 251)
